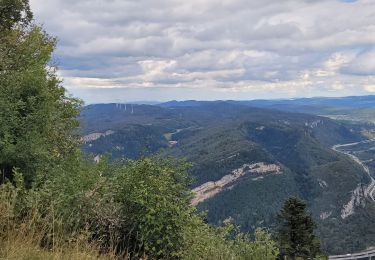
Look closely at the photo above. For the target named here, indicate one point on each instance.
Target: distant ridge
(367, 101)
(185, 103)
(349, 101)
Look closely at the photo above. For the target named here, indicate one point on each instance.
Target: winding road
(370, 189)
(369, 192)
(365, 255)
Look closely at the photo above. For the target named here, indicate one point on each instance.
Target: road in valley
(369, 192)
(365, 255)
(370, 189)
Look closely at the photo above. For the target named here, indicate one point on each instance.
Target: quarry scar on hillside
(211, 188)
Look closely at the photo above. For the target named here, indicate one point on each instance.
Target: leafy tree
(132, 207)
(37, 117)
(14, 12)
(296, 231)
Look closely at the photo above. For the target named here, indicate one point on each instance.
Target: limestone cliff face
(210, 189)
(95, 136)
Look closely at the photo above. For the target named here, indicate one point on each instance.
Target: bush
(26, 236)
(59, 204)
(132, 208)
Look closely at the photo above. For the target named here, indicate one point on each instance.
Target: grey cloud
(362, 65)
(242, 46)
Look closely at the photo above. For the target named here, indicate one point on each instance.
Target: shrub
(132, 208)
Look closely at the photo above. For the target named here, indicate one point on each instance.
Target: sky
(159, 50)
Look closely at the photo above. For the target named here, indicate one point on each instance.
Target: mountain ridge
(221, 137)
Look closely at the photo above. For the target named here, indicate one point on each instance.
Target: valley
(187, 130)
(345, 148)
(247, 160)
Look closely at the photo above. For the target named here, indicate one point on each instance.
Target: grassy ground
(27, 239)
(23, 243)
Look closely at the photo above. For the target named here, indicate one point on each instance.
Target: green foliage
(296, 231)
(249, 209)
(218, 137)
(37, 118)
(227, 242)
(131, 142)
(141, 204)
(262, 248)
(26, 235)
(156, 195)
(14, 12)
(131, 207)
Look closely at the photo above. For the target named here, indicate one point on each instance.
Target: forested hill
(353, 108)
(257, 156)
(243, 164)
(58, 203)
(351, 101)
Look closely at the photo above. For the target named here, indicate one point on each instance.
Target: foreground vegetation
(128, 209)
(56, 203)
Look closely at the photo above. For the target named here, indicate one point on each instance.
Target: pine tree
(296, 231)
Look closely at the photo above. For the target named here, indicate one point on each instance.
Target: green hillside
(58, 203)
(220, 137)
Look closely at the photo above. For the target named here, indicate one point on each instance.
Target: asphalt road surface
(365, 255)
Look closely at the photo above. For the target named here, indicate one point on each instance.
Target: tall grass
(117, 211)
(32, 237)
(21, 243)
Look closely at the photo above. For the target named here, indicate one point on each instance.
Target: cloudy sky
(131, 50)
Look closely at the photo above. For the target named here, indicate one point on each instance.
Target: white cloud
(370, 88)
(257, 48)
(363, 64)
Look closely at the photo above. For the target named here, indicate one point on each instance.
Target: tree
(130, 206)
(13, 12)
(37, 117)
(296, 231)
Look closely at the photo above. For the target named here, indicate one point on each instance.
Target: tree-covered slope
(220, 138)
(131, 142)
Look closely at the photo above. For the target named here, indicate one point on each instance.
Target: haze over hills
(249, 156)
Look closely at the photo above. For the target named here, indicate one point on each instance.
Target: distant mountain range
(353, 108)
(351, 101)
(249, 156)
